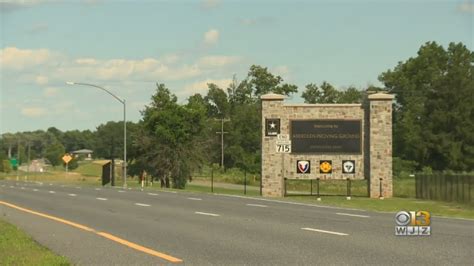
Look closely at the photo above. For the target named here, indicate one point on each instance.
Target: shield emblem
(303, 167)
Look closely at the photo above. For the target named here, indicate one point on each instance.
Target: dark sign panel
(326, 136)
(303, 167)
(272, 127)
(325, 167)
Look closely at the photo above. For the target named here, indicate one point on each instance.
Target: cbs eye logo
(411, 218)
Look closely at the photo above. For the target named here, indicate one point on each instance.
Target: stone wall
(375, 116)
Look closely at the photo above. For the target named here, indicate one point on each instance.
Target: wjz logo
(413, 223)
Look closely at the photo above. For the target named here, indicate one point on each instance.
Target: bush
(403, 168)
(6, 166)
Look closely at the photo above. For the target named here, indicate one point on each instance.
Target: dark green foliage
(326, 93)
(54, 152)
(434, 110)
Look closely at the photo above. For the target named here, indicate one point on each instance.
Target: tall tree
(434, 110)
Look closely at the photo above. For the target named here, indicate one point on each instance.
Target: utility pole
(222, 139)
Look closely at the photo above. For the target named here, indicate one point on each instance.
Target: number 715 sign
(283, 146)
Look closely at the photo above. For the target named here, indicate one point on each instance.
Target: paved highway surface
(114, 226)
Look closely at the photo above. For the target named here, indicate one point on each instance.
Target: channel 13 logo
(413, 223)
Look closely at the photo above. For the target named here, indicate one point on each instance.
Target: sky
(129, 46)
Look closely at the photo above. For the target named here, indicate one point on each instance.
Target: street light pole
(122, 101)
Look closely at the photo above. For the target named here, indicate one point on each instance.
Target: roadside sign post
(66, 159)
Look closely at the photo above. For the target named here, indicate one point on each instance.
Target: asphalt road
(205, 229)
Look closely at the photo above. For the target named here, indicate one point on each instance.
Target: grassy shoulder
(17, 248)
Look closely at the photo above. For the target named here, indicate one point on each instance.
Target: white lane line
(142, 204)
(152, 194)
(72, 195)
(324, 231)
(208, 214)
(129, 188)
(78, 187)
(12, 187)
(97, 189)
(353, 215)
(194, 199)
(121, 191)
(52, 192)
(50, 184)
(174, 192)
(35, 189)
(63, 186)
(101, 198)
(3, 185)
(257, 205)
(22, 187)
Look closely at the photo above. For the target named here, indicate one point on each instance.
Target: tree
(54, 153)
(169, 141)
(264, 82)
(434, 109)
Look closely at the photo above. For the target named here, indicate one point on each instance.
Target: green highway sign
(14, 162)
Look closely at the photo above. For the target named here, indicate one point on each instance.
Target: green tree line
(433, 120)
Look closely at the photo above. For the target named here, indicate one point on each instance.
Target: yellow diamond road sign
(67, 158)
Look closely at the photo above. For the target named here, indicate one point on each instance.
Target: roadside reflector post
(380, 187)
(212, 179)
(317, 190)
(348, 197)
(245, 182)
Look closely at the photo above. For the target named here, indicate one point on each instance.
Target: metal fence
(445, 187)
(317, 187)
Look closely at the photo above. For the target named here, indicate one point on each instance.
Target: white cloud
(201, 86)
(50, 91)
(33, 111)
(14, 58)
(281, 70)
(466, 7)
(211, 37)
(210, 4)
(41, 80)
(217, 60)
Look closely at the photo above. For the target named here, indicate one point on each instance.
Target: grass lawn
(17, 248)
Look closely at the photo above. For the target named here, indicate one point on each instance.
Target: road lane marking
(72, 195)
(97, 189)
(194, 199)
(140, 248)
(50, 184)
(12, 187)
(52, 192)
(35, 189)
(121, 191)
(78, 187)
(22, 187)
(142, 204)
(63, 186)
(208, 214)
(257, 205)
(324, 231)
(101, 198)
(174, 192)
(152, 194)
(102, 234)
(353, 215)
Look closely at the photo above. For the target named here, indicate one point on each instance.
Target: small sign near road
(283, 146)
(67, 158)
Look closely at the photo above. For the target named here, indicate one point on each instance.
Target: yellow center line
(102, 234)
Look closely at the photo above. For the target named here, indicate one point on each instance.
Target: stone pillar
(380, 119)
(272, 176)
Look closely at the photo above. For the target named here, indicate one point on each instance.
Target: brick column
(272, 177)
(380, 139)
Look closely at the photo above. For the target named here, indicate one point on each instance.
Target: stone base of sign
(373, 163)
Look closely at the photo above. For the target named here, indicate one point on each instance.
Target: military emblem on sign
(272, 127)
(348, 166)
(303, 167)
(325, 167)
